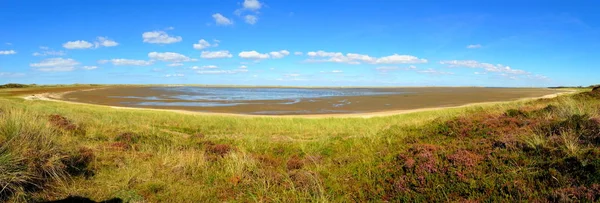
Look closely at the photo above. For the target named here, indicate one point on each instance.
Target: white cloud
(243, 67)
(251, 19)
(169, 57)
(385, 69)
(279, 54)
(298, 53)
(127, 62)
(8, 43)
(174, 75)
(55, 64)
(399, 59)
(175, 64)
(221, 20)
(324, 54)
(79, 44)
(252, 55)
(215, 54)
(204, 67)
(474, 46)
(434, 72)
(498, 68)
(89, 67)
(160, 37)
(291, 75)
(252, 5)
(105, 42)
(222, 71)
(353, 58)
(202, 44)
(49, 53)
(8, 52)
(82, 44)
(333, 71)
(46, 51)
(7, 74)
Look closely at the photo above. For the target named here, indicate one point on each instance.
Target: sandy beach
(428, 99)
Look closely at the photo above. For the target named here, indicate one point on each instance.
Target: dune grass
(544, 150)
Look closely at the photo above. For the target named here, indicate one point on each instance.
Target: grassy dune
(544, 150)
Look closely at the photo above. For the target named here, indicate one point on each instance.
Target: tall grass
(512, 151)
(30, 157)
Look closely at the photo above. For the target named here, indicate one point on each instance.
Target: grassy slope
(477, 153)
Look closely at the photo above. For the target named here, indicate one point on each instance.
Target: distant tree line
(591, 86)
(16, 85)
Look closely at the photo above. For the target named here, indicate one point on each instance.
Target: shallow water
(217, 97)
(278, 101)
(254, 94)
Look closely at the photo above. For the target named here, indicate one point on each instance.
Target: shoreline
(57, 97)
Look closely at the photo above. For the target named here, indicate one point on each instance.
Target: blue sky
(315, 43)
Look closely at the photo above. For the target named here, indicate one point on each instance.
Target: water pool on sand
(292, 101)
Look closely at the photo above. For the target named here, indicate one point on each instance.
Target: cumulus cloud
(9, 75)
(291, 75)
(498, 68)
(105, 42)
(175, 64)
(434, 72)
(253, 55)
(221, 20)
(89, 67)
(298, 53)
(474, 46)
(82, 44)
(353, 58)
(215, 54)
(279, 54)
(204, 67)
(203, 72)
(252, 5)
(169, 57)
(251, 19)
(386, 69)
(55, 65)
(47, 52)
(8, 52)
(398, 59)
(243, 67)
(333, 71)
(160, 37)
(127, 62)
(174, 75)
(79, 44)
(202, 44)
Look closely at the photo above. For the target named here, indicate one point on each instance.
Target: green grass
(544, 150)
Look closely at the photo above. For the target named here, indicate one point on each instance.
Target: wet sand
(419, 98)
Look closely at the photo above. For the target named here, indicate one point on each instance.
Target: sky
(301, 43)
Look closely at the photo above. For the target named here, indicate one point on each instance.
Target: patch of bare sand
(57, 97)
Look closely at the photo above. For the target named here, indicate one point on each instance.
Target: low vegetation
(543, 150)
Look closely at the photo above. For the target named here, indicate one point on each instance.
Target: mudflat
(298, 101)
